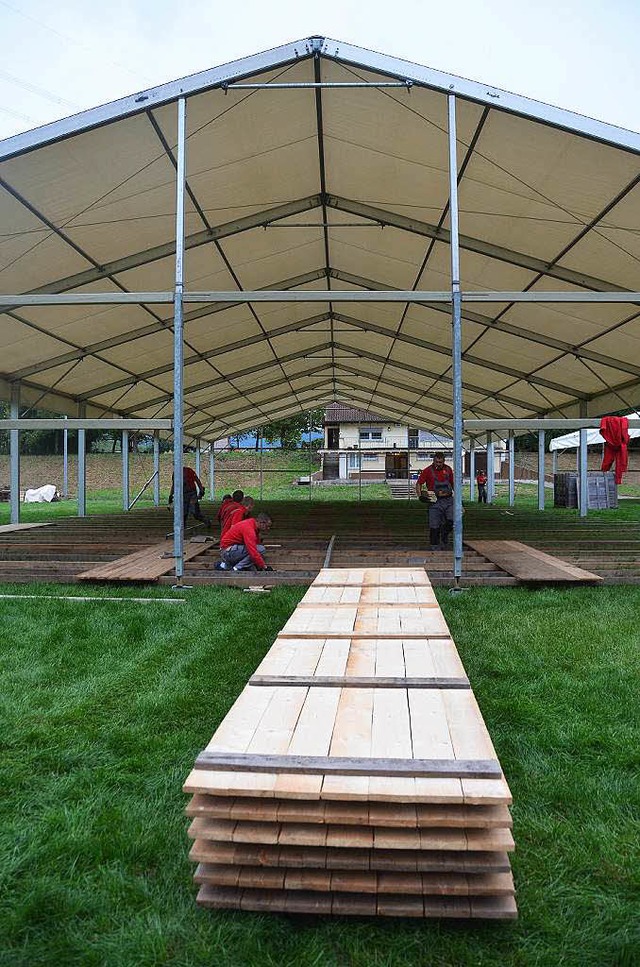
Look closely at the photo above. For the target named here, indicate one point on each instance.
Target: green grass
(104, 707)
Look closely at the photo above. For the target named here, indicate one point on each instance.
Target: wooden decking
(146, 565)
(355, 774)
(531, 566)
(389, 534)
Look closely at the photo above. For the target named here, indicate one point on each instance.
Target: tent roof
(336, 188)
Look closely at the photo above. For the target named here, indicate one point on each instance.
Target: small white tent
(570, 441)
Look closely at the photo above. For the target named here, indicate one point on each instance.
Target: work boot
(434, 538)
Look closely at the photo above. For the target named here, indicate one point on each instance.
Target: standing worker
(438, 479)
(481, 480)
(192, 492)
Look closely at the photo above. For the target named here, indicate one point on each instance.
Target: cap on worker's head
(226, 497)
(238, 495)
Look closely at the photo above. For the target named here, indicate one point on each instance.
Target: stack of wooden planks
(355, 774)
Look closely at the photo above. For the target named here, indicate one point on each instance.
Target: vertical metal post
(491, 480)
(359, 464)
(540, 469)
(472, 472)
(198, 456)
(456, 340)
(125, 470)
(310, 463)
(65, 462)
(82, 465)
(408, 465)
(583, 501)
(14, 458)
(261, 462)
(178, 348)
(212, 473)
(512, 470)
(156, 469)
(554, 462)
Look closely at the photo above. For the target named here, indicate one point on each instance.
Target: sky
(60, 58)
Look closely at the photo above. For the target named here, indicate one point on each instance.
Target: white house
(360, 444)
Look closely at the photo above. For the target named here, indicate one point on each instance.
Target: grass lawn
(105, 706)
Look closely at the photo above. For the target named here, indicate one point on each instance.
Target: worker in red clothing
(192, 493)
(234, 516)
(481, 480)
(229, 506)
(438, 480)
(239, 548)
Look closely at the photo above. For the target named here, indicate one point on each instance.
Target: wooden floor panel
(355, 771)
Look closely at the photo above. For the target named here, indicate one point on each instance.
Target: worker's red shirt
(481, 477)
(233, 517)
(228, 509)
(244, 532)
(191, 480)
(430, 475)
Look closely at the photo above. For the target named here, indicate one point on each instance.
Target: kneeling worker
(239, 548)
(438, 479)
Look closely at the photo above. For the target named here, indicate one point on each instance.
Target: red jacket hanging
(615, 430)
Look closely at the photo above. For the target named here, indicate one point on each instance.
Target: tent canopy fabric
(309, 188)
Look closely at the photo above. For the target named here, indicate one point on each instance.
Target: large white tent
(321, 170)
(571, 441)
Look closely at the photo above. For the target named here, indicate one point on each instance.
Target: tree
(290, 430)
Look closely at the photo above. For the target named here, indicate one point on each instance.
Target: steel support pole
(125, 470)
(540, 469)
(554, 462)
(310, 464)
(65, 462)
(212, 473)
(178, 348)
(82, 465)
(408, 467)
(198, 456)
(491, 480)
(156, 470)
(359, 464)
(583, 501)
(456, 341)
(472, 473)
(14, 451)
(261, 463)
(512, 470)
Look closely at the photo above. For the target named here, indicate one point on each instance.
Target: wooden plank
(147, 564)
(337, 765)
(335, 681)
(311, 857)
(528, 564)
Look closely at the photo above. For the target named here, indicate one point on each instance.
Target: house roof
(343, 413)
(306, 189)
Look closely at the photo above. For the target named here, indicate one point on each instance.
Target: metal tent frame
(400, 362)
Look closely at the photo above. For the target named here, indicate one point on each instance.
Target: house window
(370, 456)
(352, 461)
(369, 434)
(413, 438)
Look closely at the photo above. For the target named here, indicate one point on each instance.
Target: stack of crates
(601, 489)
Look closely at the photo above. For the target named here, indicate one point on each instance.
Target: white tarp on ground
(40, 495)
(570, 441)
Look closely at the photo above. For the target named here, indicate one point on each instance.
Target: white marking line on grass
(59, 597)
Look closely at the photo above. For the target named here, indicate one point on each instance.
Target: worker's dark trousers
(190, 505)
(482, 493)
(237, 556)
(440, 521)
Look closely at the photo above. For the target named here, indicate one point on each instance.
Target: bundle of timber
(355, 774)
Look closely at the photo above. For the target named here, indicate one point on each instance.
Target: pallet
(532, 566)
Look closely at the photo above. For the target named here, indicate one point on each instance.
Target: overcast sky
(58, 58)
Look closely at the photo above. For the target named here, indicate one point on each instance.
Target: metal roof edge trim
(333, 50)
(152, 97)
(484, 94)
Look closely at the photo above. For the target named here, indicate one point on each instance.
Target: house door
(333, 437)
(396, 466)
